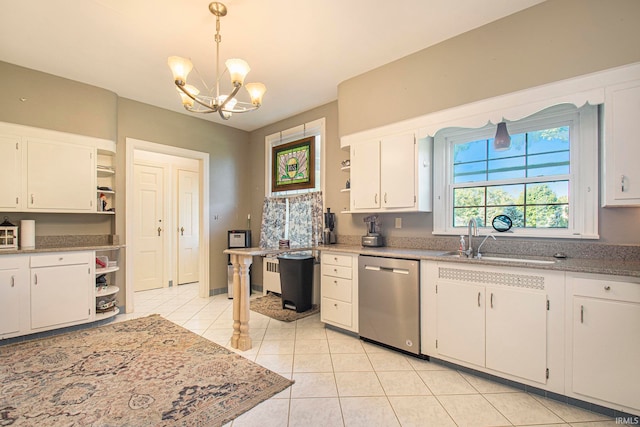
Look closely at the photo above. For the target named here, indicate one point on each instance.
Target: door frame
(132, 144)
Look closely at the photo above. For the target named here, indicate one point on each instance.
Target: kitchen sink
(502, 259)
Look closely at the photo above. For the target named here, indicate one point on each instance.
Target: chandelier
(212, 101)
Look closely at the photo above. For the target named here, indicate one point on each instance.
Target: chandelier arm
(213, 108)
(236, 88)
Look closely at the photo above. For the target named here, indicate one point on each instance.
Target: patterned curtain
(274, 219)
(305, 219)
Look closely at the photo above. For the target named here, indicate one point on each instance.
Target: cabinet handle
(32, 199)
(491, 299)
(159, 230)
(35, 278)
(376, 199)
(622, 183)
(182, 231)
(385, 198)
(582, 314)
(13, 281)
(478, 299)
(607, 288)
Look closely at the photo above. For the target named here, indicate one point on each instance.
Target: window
(545, 181)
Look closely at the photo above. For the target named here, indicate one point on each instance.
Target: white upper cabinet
(391, 174)
(48, 171)
(60, 176)
(621, 146)
(10, 172)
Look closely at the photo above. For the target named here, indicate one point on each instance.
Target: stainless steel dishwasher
(389, 302)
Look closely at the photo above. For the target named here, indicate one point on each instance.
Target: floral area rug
(271, 305)
(141, 372)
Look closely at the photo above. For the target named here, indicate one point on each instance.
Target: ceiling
(300, 49)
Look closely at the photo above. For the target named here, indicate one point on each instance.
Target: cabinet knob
(335, 305)
(607, 288)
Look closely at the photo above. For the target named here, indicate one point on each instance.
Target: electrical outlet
(398, 222)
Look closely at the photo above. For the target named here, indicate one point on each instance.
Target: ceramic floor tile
(425, 365)
(311, 346)
(351, 362)
(420, 411)
(276, 347)
(390, 361)
(472, 410)
(313, 385)
(367, 412)
(446, 382)
(568, 413)
(358, 384)
(315, 412)
(345, 346)
(312, 363)
(487, 386)
(280, 334)
(276, 362)
(310, 334)
(402, 383)
(310, 322)
(274, 410)
(521, 408)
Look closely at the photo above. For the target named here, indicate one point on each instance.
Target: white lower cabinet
(339, 290)
(61, 289)
(494, 319)
(14, 287)
(605, 340)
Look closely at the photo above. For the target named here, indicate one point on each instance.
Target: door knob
(182, 231)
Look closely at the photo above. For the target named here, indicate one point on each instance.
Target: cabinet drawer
(336, 271)
(606, 289)
(336, 259)
(337, 288)
(61, 258)
(337, 312)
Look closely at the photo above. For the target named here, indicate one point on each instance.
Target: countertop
(38, 250)
(581, 265)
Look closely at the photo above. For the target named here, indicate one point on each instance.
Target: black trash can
(296, 281)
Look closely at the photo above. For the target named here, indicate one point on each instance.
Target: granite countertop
(630, 268)
(45, 249)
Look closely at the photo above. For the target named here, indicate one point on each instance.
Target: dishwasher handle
(389, 269)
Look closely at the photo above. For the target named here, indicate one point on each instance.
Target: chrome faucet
(478, 254)
(473, 231)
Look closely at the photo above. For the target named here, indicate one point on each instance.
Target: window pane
(547, 193)
(468, 196)
(548, 140)
(504, 195)
(470, 151)
(548, 164)
(516, 213)
(556, 216)
(461, 216)
(518, 144)
(470, 172)
(513, 167)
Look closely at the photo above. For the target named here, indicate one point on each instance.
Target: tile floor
(343, 381)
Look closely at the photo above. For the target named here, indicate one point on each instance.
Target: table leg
(241, 293)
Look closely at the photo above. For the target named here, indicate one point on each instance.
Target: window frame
(583, 181)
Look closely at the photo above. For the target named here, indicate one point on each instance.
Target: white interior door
(149, 246)
(188, 227)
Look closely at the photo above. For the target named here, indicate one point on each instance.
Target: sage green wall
(551, 41)
(229, 175)
(548, 42)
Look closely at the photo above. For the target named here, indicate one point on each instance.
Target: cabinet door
(60, 176)
(517, 332)
(60, 295)
(10, 173)
(621, 148)
(365, 175)
(461, 323)
(10, 301)
(606, 345)
(397, 171)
